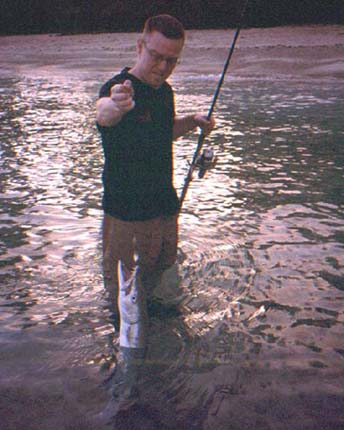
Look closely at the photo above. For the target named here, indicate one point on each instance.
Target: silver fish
(132, 308)
(132, 334)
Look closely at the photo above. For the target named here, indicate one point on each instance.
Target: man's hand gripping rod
(201, 137)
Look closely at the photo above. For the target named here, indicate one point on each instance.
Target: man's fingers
(126, 105)
(204, 123)
(129, 86)
(120, 89)
(125, 88)
(122, 95)
(208, 122)
(119, 96)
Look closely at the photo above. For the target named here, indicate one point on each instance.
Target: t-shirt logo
(144, 116)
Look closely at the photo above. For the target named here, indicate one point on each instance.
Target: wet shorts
(155, 242)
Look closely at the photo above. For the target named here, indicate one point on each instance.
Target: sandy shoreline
(295, 51)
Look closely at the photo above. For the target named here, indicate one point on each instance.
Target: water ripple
(261, 237)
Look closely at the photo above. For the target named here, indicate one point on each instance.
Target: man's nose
(163, 65)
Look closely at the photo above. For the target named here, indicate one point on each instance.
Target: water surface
(261, 261)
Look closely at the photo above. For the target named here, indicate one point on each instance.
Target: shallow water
(261, 261)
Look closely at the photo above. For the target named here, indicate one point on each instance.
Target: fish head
(131, 297)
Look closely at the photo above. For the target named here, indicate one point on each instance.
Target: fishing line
(201, 137)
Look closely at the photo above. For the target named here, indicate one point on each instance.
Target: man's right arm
(110, 110)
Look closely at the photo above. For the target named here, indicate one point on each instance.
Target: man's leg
(148, 243)
(117, 244)
(168, 254)
(168, 289)
(156, 243)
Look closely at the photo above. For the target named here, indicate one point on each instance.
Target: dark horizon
(86, 16)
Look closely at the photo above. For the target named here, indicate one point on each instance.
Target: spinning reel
(205, 162)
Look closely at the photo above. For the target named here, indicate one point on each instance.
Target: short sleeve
(105, 90)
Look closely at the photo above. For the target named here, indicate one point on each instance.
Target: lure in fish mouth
(132, 308)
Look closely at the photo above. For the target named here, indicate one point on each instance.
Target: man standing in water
(137, 122)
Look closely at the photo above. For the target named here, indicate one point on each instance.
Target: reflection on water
(261, 252)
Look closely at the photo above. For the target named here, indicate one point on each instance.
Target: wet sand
(298, 52)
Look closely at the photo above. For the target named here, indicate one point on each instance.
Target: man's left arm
(184, 124)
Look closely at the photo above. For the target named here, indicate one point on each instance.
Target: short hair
(165, 24)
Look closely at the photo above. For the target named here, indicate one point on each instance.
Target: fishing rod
(205, 161)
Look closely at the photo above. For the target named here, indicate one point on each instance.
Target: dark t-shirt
(138, 169)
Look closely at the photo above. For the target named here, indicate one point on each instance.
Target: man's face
(157, 57)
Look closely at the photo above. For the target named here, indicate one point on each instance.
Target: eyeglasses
(159, 58)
